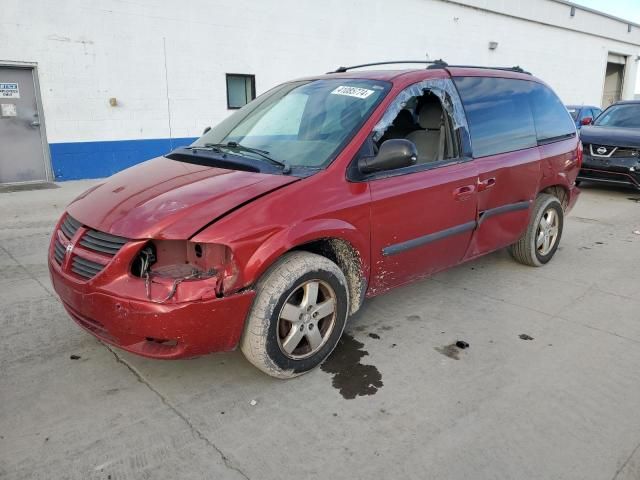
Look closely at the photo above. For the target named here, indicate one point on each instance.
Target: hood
(169, 199)
(615, 137)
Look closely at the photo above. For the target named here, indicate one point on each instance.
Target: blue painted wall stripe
(78, 160)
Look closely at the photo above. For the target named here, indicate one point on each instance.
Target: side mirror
(394, 153)
(587, 121)
(206, 130)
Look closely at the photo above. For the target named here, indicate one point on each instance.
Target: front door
(422, 216)
(22, 152)
(420, 223)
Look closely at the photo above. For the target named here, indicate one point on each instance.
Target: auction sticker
(9, 90)
(352, 92)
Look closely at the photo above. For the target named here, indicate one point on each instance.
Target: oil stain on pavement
(350, 377)
(451, 351)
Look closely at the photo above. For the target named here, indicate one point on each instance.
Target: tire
(527, 249)
(577, 183)
(283, 348)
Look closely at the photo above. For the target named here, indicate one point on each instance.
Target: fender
(300, 234)
(257, 250)
(559, 179)
(562, 164)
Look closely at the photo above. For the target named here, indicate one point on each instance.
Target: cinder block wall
(165, 63)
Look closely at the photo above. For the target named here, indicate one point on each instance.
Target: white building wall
(88, 52)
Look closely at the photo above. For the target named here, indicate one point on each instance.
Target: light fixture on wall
(573, 11)
(493, 45)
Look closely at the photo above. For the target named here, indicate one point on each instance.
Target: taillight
(579, 152)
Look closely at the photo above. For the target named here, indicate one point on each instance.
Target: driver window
(422, 120)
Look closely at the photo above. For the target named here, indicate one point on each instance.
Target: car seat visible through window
(430, 140)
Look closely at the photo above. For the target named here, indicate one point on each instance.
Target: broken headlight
(165, 264)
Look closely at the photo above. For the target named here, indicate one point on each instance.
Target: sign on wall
(9, 90)
(8, 110)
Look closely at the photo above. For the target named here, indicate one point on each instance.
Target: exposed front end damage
(160, 298)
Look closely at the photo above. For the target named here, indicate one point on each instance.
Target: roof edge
(597, 12)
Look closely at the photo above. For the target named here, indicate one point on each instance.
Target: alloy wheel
(547, 232)
(307, 319)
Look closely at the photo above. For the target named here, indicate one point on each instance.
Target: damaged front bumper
(91, 272)
(611, 170)
(165, 331)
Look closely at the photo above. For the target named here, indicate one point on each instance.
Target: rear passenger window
(499, 114)
(552, 120)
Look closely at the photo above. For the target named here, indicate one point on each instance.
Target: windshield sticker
(356, 92)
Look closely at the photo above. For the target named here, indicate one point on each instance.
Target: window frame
(367, 148)
(465, 106)
(538, 141)
(244, 76)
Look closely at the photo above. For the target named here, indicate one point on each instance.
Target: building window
(241, 89)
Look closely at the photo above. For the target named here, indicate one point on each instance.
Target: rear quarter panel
(560, 163)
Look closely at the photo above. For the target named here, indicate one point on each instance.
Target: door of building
(613, 80)
(23, 148)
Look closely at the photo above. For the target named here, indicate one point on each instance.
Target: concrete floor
(565, 405)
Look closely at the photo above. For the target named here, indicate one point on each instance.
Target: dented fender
(257, 250)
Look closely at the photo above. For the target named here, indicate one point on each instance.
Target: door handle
(35, 123)
(485, 184)
(464, 193)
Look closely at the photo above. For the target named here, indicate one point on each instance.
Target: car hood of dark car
(615, 137)
(169, 199)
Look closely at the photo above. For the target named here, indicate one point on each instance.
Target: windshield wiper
(286, 168)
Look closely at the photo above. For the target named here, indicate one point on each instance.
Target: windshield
(623, 116)
(302, 124)
(573, 112)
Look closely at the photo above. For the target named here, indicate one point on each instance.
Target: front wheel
(298, 315)
(540, 241)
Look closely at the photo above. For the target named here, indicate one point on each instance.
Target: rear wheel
(298, 315)
(540, 241)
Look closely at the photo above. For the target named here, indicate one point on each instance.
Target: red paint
(165, 199)
(168, 200)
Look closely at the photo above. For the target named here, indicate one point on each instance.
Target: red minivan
(271, 229)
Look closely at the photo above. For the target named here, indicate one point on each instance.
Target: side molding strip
(510, 207)
(432, 237)
(464, 227)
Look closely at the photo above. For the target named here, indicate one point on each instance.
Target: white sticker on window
(352, 92)
(9, 90)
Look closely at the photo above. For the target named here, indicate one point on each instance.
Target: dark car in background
(612, 146)
(583, 114)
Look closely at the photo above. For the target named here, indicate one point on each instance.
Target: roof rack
(431, 64)
(516, 69)
(441, 64)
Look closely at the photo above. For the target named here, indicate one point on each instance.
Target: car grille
(626, 152)
(70, 226)
(614, 152)
(58, 251)
(85, 268)
(601, 150)
(103, 244)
